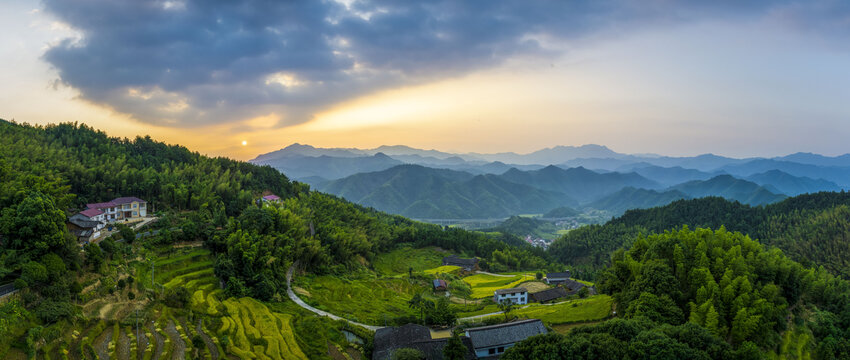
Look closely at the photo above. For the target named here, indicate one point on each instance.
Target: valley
(247, 264)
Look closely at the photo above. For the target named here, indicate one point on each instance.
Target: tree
(408, 354)
(35, 226)
(539, 275)
(421, 304)
(34, 273)
(127, 233)
(454, 349)
(197, 344)
(94, 256)
(108, 246)
(410, 271)
(583, 292)
(505, 307)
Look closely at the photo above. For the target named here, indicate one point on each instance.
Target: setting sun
(244, 142)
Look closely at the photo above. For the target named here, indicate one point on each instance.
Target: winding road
(302, 304)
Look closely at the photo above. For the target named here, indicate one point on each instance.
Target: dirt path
(302, 304)
(159, 342)
(123, 345)
(101, 343)
(179, 352)
(210, 344)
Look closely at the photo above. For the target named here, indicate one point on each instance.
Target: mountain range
(432, 184)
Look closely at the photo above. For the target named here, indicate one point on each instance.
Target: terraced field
(483, 285)
(257, 333)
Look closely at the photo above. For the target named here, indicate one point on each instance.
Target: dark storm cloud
(201, 61)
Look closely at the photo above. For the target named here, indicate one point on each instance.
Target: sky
(240, 78)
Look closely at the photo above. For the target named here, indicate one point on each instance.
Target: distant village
(482, 342)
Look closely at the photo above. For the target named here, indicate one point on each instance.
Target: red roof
(271, 197)
(89, 213)
(126, 200)
(102, 205)
(114, 203)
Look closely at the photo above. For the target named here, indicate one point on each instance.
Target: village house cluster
(480, 342)
(87, 225)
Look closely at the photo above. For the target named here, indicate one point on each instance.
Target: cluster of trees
(810, 228)
(433, 312)
(717, 293)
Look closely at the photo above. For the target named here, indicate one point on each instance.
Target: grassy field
(399, 261)
(363, 300)
(483, 285)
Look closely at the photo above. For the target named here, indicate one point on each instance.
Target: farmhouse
(489, 341)
(575, 286)
(466, 264)
(440, 285)
(557, 277)
(518, 296)
(388, 340)
(83, 229)
(549, 295)
(122, 208)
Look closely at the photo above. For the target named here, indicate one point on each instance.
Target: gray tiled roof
(503, 334)
(549, 294)
(511, 290)
(458, 261)
(391, 338)
(559, 275)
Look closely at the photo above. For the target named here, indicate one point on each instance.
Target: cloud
(194, 62)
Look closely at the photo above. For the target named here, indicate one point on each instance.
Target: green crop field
(447, 269)
(581, 310)
(483, 285)
(399, 261)
(363, 300)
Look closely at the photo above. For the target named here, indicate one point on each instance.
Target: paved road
(301, 303)
(7, 289)
(492, 274)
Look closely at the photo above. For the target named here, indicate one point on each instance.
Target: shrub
(177, 297)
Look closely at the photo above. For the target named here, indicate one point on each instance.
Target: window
(135, 205)
(501, 349)
(492, 351)
(135, 213)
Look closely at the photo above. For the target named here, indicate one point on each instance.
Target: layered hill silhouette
(432, 184)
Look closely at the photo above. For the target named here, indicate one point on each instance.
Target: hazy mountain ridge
(436, 184)
(422, 192)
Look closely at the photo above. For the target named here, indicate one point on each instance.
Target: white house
(123, 208)
(518, 296)
(491, 341)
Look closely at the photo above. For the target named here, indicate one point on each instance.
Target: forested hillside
(707, 294)
(812, 228)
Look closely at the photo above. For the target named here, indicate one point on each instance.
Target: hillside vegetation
(811, 228)
(708, 294)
